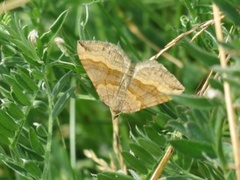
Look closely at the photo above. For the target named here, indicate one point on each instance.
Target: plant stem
(116, 141)
(157, 173)
(227, 93)
(72, 129)
(50, 130)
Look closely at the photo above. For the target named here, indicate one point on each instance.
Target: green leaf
(14, 110)
(33, 169)
(233, 81)
(35, 143)
(6, 132)
(216, 84)
(28, 80)
(40, 105)
(46, 37)
(54, 28)
(66, 65)
(30, 153)
(150, 146)
(233, 70)
(229, 10)
(162, 119)
(61, 83)
(7, 121)
(181, 113)
(41, 130)
(209, 171)
(178, 126)
(134, 163)
(155, 136)
(4, 139)
(232, 47)
(206, 58)
(183, 177)
(4, 92)
(113, 176)
(37, 74)
(11, 81)
(20, 81)
(194, 149)
(195, 102)
(17, 168)
(40, 47)
(21, 97)
(61, 102)
(31, 60)
(191, 7)
(11, 61)
(142, 154)
(189, 80)
(199, 117)
(59, 22)
(197, 133)
(3, 154)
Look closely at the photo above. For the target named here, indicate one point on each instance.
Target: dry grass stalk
(227, 93)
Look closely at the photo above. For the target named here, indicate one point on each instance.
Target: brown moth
(124, 86)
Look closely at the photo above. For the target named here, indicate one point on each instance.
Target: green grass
(39, 76)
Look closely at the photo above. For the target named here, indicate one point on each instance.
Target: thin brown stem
(117, 147)
(227, 94)
(158, 171)
(134, 29)
(203, 25)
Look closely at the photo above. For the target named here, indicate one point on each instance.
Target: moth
(124, 86)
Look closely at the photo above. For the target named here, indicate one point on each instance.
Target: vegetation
(47, 98)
